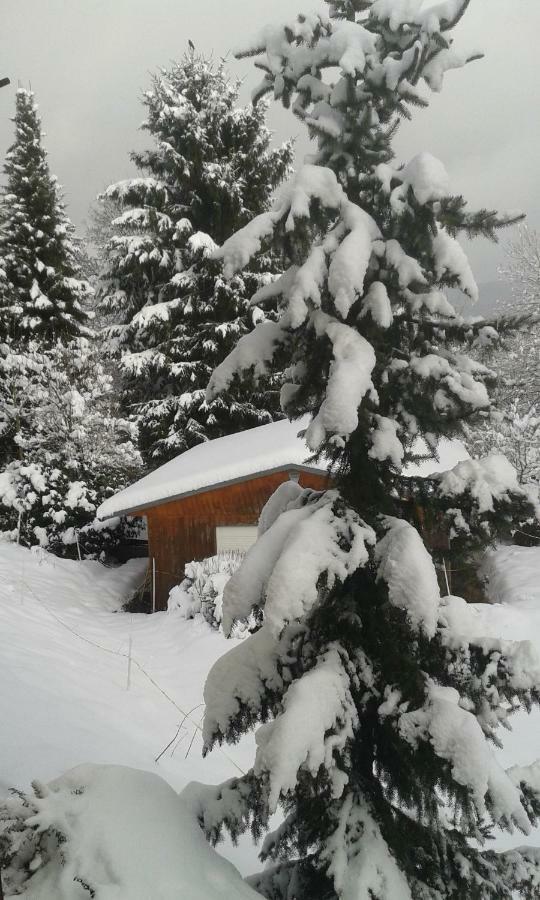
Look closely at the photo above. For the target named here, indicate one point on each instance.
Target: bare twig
(178, 730)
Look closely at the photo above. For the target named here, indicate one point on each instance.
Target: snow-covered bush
(63, 448)
(514, 430)
(201, 591)
(109, 831)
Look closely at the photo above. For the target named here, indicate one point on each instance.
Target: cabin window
(235, 537)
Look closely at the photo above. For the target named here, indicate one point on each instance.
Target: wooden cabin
(209, 498)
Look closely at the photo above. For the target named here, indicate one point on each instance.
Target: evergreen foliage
(43, 295)
(378, 700)
(63, 448)
(210, 169)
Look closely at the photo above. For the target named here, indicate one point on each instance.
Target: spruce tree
(43, 294)
(378, 701)
(209, 170)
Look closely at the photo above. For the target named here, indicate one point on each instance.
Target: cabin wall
(185, 529)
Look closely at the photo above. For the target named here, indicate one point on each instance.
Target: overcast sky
(89, 60)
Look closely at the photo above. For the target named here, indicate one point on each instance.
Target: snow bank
(126, 834)
(65, 698)
(513, 577)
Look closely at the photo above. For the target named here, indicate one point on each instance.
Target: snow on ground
(65, 701)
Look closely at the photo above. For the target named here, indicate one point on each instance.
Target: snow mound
(127, 834)
(513, 577)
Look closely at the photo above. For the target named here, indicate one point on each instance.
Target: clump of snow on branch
(239, 681)
(385, 443)
(406, 567)
(312, 537)
(424, 174)
(486, 480)
(317, 721)
(457, 737)
(451, 258)
(373, 870)
(349, 380)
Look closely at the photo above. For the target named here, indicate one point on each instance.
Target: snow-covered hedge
(201, 591)
(110, 831)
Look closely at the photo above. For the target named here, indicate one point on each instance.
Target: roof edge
(141, 508)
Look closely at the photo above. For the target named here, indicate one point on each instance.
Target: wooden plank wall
(185, 529)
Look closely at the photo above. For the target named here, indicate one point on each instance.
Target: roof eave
(142, 508)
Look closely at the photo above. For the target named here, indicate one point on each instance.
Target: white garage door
(235, 537)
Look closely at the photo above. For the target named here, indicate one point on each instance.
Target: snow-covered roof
(238, 457)
(226, 460)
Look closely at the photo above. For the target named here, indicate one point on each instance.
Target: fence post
(446, 578)
(129, 664)
(153, 584)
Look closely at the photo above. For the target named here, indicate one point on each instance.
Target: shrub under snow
(201, 591)
(110, 833)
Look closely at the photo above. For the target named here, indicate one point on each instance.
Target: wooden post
(153, 584)
(129, 666)
(446, 578)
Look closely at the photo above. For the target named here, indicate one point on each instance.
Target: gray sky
(89, 60)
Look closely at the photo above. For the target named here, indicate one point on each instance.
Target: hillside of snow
(70, 695)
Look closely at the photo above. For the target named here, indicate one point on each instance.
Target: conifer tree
(378, 701)
(209, 170)
(43, 295)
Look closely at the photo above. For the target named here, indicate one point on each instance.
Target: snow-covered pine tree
(377, 699)
(209, 170)
(43, 295)
(64, 448)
